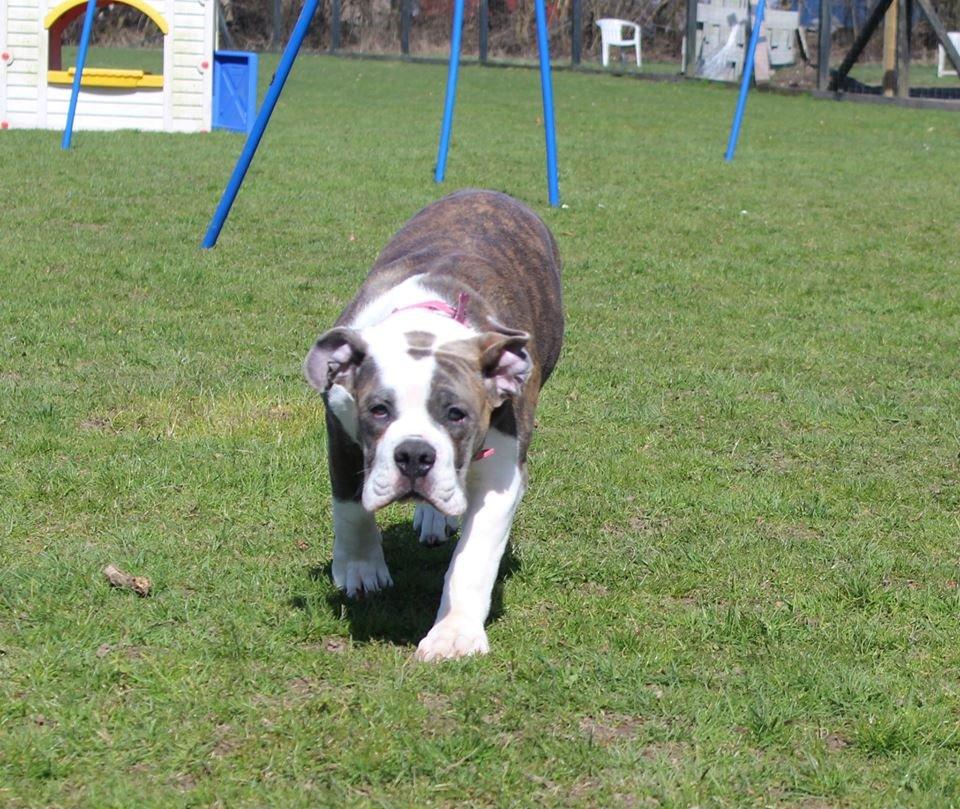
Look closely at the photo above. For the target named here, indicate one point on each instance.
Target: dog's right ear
(334, 359)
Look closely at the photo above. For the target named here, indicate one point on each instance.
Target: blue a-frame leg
(283, 71)
(78, 76)
(546, 86)
(745, 83)
(260, 124)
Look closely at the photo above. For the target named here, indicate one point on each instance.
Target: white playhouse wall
(21, 33)
(182, 104)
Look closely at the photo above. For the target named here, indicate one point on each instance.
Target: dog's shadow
(404, 613)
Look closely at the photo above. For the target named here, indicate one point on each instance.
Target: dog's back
(480, 240)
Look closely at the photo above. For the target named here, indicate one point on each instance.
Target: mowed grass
(734, 579)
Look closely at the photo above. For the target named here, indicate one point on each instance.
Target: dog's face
(417, 402)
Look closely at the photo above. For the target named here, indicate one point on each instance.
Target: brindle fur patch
(457, 383)
(420, 344)
(420, 339)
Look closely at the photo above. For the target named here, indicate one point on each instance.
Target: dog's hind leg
(432, 527)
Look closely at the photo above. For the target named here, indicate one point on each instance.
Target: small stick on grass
(139, 584)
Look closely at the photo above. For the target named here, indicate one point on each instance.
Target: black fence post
(484, 29)
(277, 26)
(576, 31)
(405, 27)
(904, 30)
(334, 26)
(224, 31)
(690, 62)
(823, 48)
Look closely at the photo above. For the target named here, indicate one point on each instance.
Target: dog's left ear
(504, 362)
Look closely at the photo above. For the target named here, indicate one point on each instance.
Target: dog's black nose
(414, 458)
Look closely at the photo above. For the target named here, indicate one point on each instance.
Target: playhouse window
(107, 67)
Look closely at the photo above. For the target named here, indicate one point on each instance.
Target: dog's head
(417, 402)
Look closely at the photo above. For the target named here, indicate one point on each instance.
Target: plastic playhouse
(35, 84)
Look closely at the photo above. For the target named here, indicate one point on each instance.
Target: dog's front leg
(495, 486)
(358, 565)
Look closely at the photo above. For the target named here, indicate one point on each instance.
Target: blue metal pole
(546, 88)
(78, 76)
(745, 83)
(260, 124)
(455, 37)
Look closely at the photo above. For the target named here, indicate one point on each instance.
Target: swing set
(446, 128)
(836, 83)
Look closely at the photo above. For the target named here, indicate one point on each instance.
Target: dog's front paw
(433, 527)
(359, 577)
(452, 638)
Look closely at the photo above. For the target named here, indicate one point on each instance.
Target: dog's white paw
(359, 577)
(433, 527)
(452, 638)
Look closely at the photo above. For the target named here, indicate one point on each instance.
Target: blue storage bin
(234, 90)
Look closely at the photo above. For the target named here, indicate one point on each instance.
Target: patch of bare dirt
(225, 744)
(608, 729)
(335, 645)
(129, 651)
(835, 742)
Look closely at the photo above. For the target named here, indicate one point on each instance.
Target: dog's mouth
(413, 495)
(449, 501)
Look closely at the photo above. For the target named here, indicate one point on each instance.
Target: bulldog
(430, 378)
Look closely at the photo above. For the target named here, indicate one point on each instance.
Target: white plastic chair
(944, 68)
(612, 35)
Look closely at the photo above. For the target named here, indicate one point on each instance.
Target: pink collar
(459, 313)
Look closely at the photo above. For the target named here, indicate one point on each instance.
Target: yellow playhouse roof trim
(147, 9)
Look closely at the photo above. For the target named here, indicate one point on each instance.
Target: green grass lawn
(921, 74)
(734, 579)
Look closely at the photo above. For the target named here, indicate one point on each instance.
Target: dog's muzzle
(417, 468)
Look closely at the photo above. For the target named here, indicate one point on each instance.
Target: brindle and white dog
(430, 378)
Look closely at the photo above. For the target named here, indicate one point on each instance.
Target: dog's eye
(456, 415)
(380, 411)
